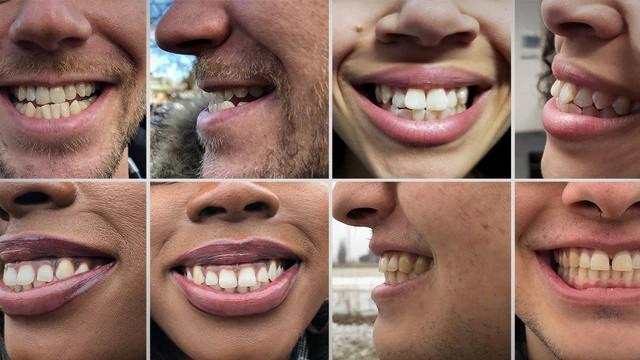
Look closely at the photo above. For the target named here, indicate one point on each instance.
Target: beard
(298, 152)
(113, 65)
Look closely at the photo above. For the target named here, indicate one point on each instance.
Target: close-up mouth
(422, 106)
(41, 274)
(586, 275)
(237, 277)
(403, 273)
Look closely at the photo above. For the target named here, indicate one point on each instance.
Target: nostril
(4, 215)
(360, 213)
(258, 206)
(576, 28)
(212, 211)
(194, 44)
(32, 198)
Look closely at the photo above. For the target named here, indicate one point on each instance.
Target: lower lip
(586, 297)
(573, 127)
(210, 121)
(423, 133)
(50, 297)
(220, 303)
(59, 130)
(385, 293)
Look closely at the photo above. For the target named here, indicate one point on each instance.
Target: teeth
(221, 99)
(81, 269)
(236, 278)
(571, 99)
(10, 276)
(53, 103)
(586, 268)
(65, 269)
(422, 104)
(25, 275)
(400, 266)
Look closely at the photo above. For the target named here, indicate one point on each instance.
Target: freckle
(359, 28)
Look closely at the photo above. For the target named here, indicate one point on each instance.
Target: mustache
(114, 66)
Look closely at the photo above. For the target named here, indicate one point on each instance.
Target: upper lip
(210, 85)
(567, 71)
(231, 252)
(423, 76)
(52, 80)
(24, 247)
(381, 244)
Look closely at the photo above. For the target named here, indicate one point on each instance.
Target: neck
(536, 349)
(122, 171)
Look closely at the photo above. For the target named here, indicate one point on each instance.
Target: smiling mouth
(399, 267)
(584, 268)
(230, 98)
(421, 104)
(52, 103)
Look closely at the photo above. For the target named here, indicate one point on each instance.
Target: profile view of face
(435, 302)
(72, 86)
(73, 270)
(264, 66)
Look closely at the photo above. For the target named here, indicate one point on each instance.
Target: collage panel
(577, 102)
(73, 270)
(239, 270)
(421, 89)
(421, 270)
(577, 269)
(250, 99)
(72, 89)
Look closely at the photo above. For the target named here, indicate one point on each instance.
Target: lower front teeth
(422, 104)
(24, 275)
(399, 267)
(236, 278)
(54, 111)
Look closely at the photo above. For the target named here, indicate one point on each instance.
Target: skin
(608, 45)
(96, 38)
(298, 220)
(463, 314)
(241, 41)
(557, 211)
(109, 320)
(398, 32)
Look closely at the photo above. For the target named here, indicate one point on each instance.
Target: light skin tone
(609, 46)
(282, 43)
(461, 314)
(295, 216)
(559, 211)
(108, 321)
(379, 35)
(53, 41)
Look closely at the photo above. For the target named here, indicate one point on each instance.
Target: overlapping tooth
(263, 275)
(53, 102)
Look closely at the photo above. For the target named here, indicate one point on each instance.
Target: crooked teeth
(586, 268)
(571, 99)
(422, 104)
(400, 266)
(54, 102)
(221, 99)
(236, 278)
(25, 275)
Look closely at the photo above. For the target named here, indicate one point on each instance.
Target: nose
(608, 201)
(232, 202)
(363, 204)
(186, 29)
(49, 25)
(427, 23)
(19, 199)
(582, 19)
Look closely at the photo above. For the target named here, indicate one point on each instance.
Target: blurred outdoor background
(355, 274)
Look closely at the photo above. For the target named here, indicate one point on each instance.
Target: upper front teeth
(236, 278)
(54, 102)
(571, 99)
(25, 275)
(422, 104)
(400, 266)
(221, 99)
(584, 268)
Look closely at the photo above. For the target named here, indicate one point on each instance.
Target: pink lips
(230, 252)
(52, 296)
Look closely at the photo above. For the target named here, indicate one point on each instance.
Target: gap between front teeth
(422, 104)
(584, 101)
(399, 267)
(239, 278)
(221, 100)
(25, 275)
(54, 102)
(587, 268)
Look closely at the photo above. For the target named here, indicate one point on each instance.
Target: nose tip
(19, 199)
(232, 202)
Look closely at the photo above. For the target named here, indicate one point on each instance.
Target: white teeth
(45, 110)
(398, 98)
(10, 276)
(437, 100)
(415, 99)
(211, 279)
(399, 266)
(622, 261)
(236, 278)
(386, 93)
(26, 275)
(65, 269)
(636, 260)
(198, 275)
(21, 94)
(31, 93)
(70, 92)
(247, 277)
(227, 279)
(393, 263)
(221, 99)
(29, 110)
(599, 260)
(74, 108)
(42, 95)
(585, 268)
(56, 95)
(263, 275)
(420, 104)
(53, 102)
(571, 99)
(452, 99)
(81, 89)
(273, 268)
(463, 95)
(81, 269)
